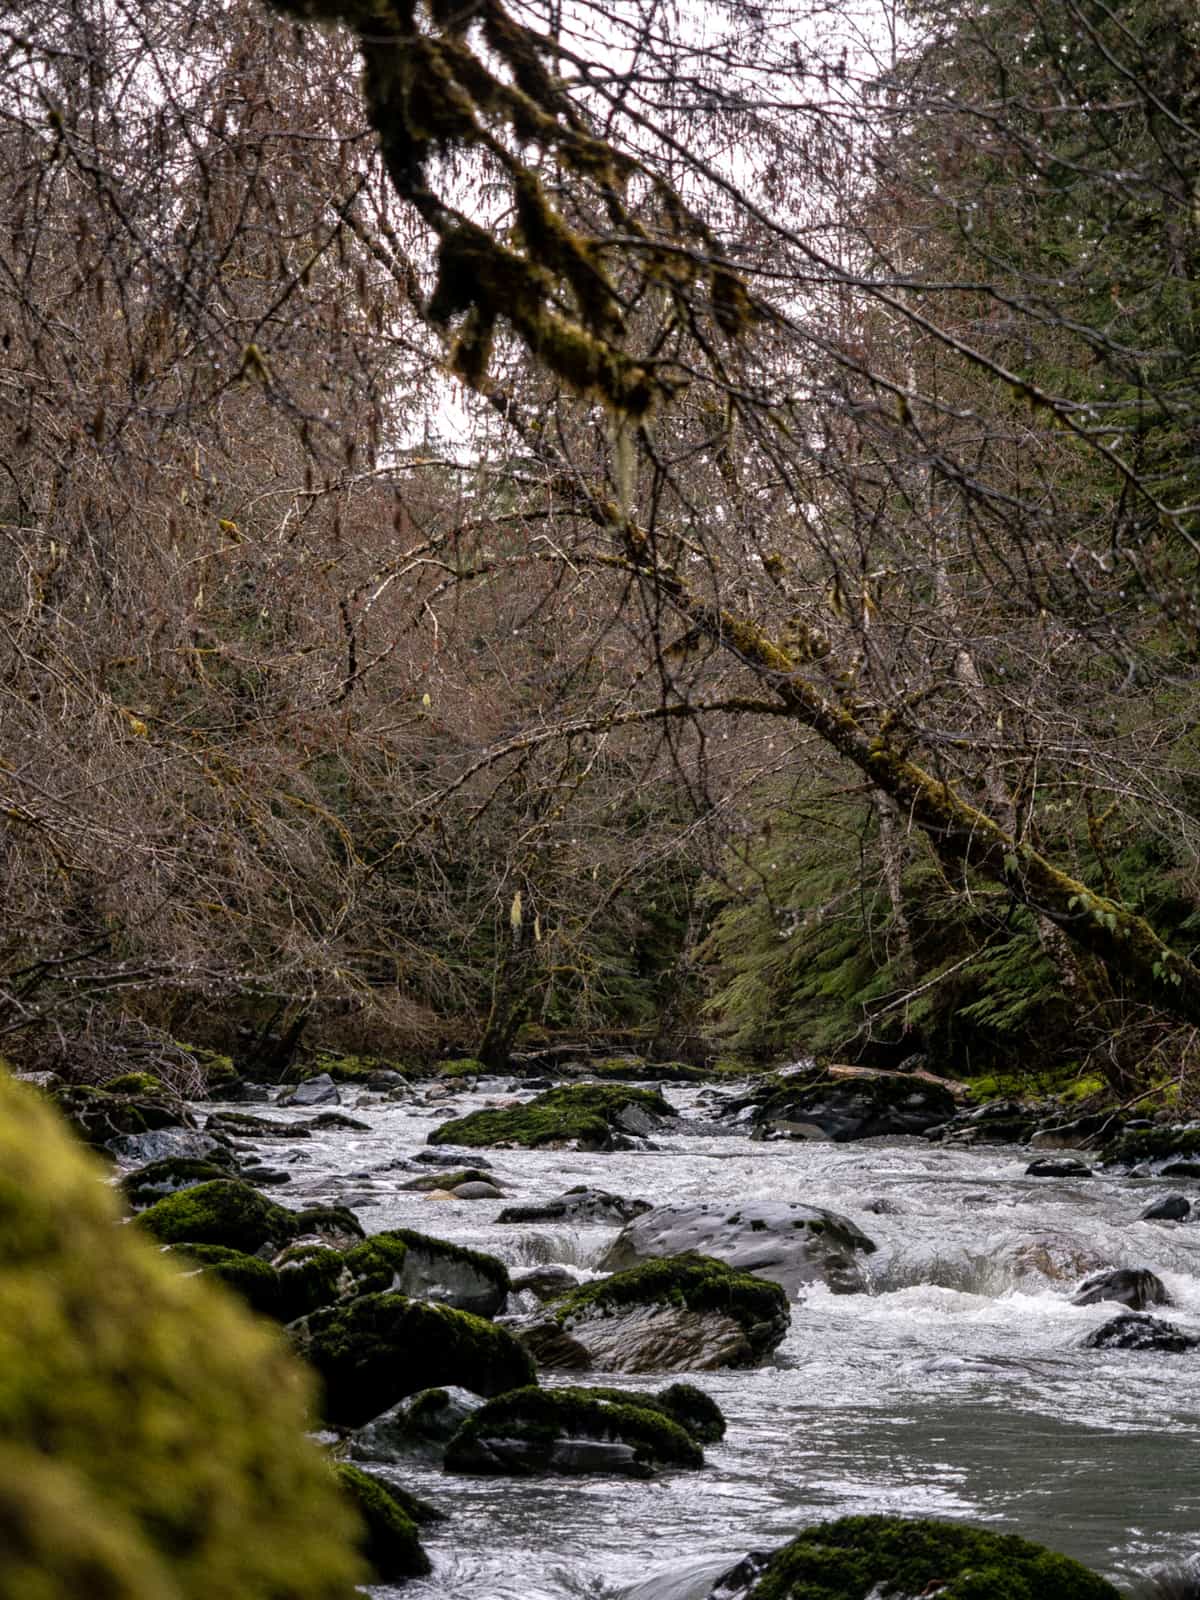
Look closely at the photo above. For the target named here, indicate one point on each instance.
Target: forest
(675, 532)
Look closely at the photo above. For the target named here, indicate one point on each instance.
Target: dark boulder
(241, 1125)
(390, 1543)
(421, 1425)
(1155, 1144)
(319, 1090)
(223, 1212)
(570, 1431)
(425, 1268)
(378, 1348)
(853, 1103)
(1135, 1287)
(1134, 1331)
(100, 1116)
(158, 1178)
(1058, 1169)
(1171, 1208)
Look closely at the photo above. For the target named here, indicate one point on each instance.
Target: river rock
(1135, 1287)
(1154, 1143)
(1058, 1169)
(378, 1348)
(241, 1125)
(548, 1282)
(1134, 1331)
(789, 1243)
(390, 1542)
(158, 1178)
(476, 1190)
(688, 1312)
(429, 1157)
(853, 1103)
(338, 1119)
(231, 1213)
(100, 1116)
(165, 1144)
(424, 1268)
(570, 1431)
(316, 1091)
(447, 1180)
(581, 1205)
(1171, 1208)
(901, 1558)
(421, 1425)
(587, 1115)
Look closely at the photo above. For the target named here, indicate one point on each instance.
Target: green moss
(856, 1557)
(379, 1348)
(98, 1116)
(135, 1083)
(1153, 1144)
(222, 1212)
(337, 1225)
(697, 1413)
(541, 1417)
(171, 1418)
(464, 1067)
(377, 1263)
(698, 1282)
(583, 1112)
(631, 1068)
(390, 1542)
(160, 1178)
(254, 1280)
(310, 1276)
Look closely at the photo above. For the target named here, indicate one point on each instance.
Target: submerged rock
(1135, 1287)
(1134, 1331)
(175, 1421)
(688, 1312)
(789, 1243)
(376, 1349)
(421, 1425)
(579, 1205)
(897, 1558)
(570, 1431)
(586, 1114)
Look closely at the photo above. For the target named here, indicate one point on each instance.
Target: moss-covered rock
(99, 1115)
(168, 1176)
(136, 1083)
(335, 1226)
(173, 1421)
(310, 1276)
(428, 1182)
(859, 1557)
(697, 1413)
(221, 1212)
(671, 1315)
(374, 1350)
(633, 1069)
(421, 1425)
(571, 1431)
(425, 1268)
(462, 1067)
(390, 1544)
(1153, 1145)
(587, 1114)
(250, 1277)
(58, 1541)
(244, 1125)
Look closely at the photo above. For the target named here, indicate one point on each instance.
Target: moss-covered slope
(586, 1113)
(171, 1417)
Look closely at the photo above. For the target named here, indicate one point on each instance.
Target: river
(955, 1388)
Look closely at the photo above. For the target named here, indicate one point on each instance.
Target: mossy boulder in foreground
(683, 1312)
(162, 1429)
(390, 1542)
(588, 1114)
(570, 1431)
(863, 1558)
(377, 1349)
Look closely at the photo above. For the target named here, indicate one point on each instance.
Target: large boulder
(789, 1243)
(1153, 1145)
(425, 1268)
(845, 1103)
(374, 1350)
(159, 1178)
(231, 1213)
(100, 1116)
(590, 1115)
(570, 1431)
(870, 1558)
(688, 1312)
(154, 1433)
(390, 1541)
(421, 1425)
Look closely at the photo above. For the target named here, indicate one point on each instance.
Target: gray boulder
(318, 1091)
(166, 1144)
(1134, 1331)
(422, 1425)
(1171, 1208)
(789, 1243)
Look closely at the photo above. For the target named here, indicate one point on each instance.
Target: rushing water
(956, 1388)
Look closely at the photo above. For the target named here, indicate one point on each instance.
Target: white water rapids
(956, 1388)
